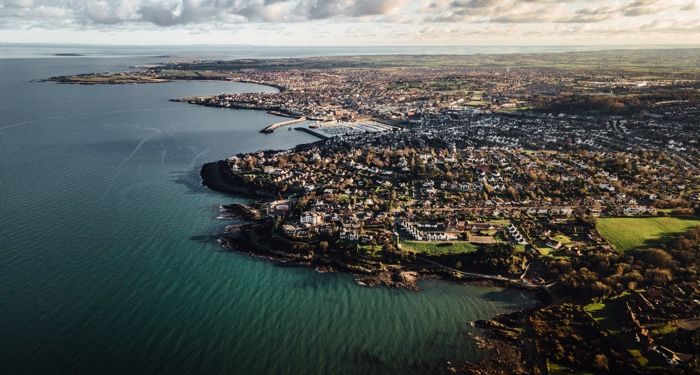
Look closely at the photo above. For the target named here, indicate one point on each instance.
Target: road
(519, 282)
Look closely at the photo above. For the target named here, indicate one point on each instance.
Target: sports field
(626, 233)
(438, 248)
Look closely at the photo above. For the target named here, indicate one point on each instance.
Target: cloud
(689, 7)
(546, 11)
(642, 7)
(360, 20)
(17, 3)
(321, 9)
(174, 12)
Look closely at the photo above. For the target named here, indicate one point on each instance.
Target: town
(477, 184)
(574, 175)
(390, 213)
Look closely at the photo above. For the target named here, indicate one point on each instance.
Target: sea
(108, 263)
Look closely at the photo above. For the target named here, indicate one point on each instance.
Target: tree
(659, 276)
(301, 203)
(600, 362)
(657, 257)
(323, 246)
(389, 248)
(512, 192)
(533, 175)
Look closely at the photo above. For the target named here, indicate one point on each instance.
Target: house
(350, 235)
(311, 218)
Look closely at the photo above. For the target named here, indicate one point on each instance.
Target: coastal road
(519, 282)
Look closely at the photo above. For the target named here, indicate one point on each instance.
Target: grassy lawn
(593, 307)
(519, 248)
(545, 251)
(559, 369)
(373, 249)
(565, 240)
(542, 247)
(438, 248)
(603, 314)
(637, 354)
(556, 369)
(664, 330)
(626, 233)
(504, 222)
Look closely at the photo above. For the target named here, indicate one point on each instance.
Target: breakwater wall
(271, 128)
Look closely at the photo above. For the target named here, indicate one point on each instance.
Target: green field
(605, 314)
(626, 233)
(608, 315)
(559, 369)
(438, 248)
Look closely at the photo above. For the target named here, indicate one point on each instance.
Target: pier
(314, 133)
(271, 128)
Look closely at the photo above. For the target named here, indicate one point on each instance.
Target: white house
(311, 218)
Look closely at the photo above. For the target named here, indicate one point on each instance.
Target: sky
(352, 22)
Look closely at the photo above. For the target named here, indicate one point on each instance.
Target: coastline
(499, 337)
(500, 354)
(256, 237)
(126, 78)
(304, 244)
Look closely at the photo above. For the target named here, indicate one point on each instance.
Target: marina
(330, 129)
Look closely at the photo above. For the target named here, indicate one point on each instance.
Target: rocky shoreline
(498, 337)
(501, 338)
(256, 236)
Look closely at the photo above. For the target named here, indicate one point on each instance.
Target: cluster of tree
(690, 341)
(620, 103)
(566, 335)
(600, 274)
(498, 258)
(535, 176)
(575, 341)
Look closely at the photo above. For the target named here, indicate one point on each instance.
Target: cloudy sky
(352, 22)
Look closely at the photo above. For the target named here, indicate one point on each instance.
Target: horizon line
(655, 45)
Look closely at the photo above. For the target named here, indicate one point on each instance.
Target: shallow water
(105, 266)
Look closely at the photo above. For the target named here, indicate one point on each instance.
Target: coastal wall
(271, 128)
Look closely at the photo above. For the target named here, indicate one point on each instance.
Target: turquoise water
(106, 266)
